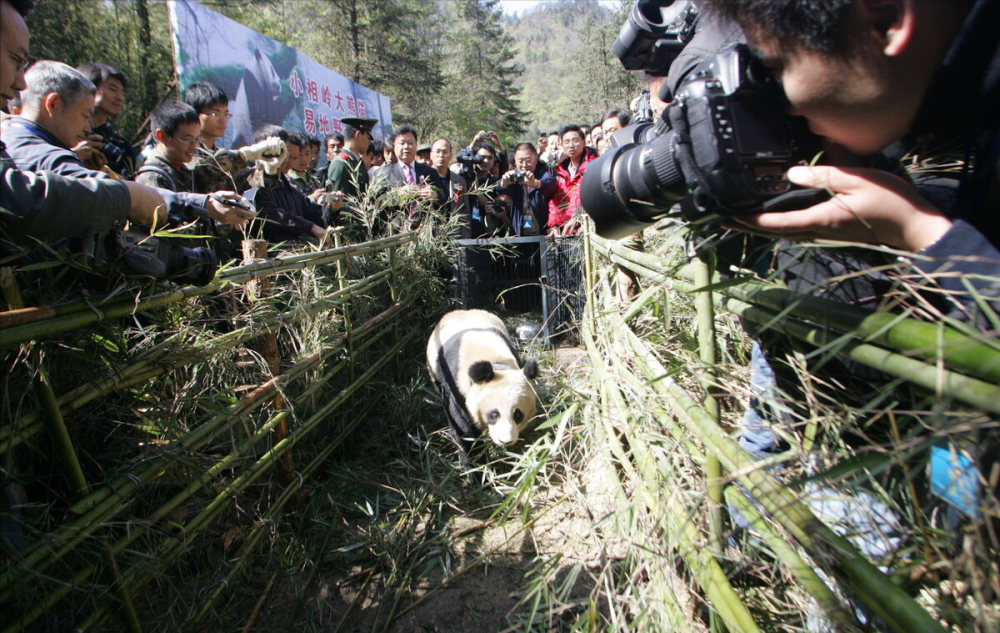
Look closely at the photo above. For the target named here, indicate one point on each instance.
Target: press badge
(955, 478)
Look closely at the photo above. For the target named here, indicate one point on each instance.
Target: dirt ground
(487, 576)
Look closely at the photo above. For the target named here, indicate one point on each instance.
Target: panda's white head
(501, 399)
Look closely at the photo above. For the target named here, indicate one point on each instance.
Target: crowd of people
(58, 136)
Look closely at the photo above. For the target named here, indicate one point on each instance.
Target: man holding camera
(45, 205)
(866, 74)
(530, 186)
(108, 102)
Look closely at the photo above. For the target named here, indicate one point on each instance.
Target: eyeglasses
(22, 63)
(187, 140)
(219, 115)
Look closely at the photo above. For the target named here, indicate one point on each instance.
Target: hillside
(570, 73)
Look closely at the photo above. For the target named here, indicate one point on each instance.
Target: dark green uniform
(346, 170)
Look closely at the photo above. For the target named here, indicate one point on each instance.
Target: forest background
(450, 67)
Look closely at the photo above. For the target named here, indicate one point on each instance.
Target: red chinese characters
(309, 122)
(324, 124)
(312, 90)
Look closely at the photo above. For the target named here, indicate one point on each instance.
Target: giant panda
(484, 385)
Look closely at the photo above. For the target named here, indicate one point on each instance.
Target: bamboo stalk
(78, 482)
(88, 313)
(972, 354)
(705, 310)
(145, 369)
(106, 502)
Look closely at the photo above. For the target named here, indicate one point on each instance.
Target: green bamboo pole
(151, 366)
(81, 317)
(705, 310)
(783, 550)
(970, 390)
(969, 353)
(78, 482)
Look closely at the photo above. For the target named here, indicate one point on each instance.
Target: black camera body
(520, 177)
(722, 149)
(146, 255)
(468, 158)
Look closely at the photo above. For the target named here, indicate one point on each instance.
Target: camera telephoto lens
(631, 186)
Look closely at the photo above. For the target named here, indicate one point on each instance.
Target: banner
(266, 81)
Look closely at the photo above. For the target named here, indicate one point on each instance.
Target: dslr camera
(136, 252)
(721, 148)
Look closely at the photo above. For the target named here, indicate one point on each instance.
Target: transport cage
(523, 274)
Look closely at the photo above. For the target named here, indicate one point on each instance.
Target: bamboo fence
(89, 560)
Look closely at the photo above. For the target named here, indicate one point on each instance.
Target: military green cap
(424, 148)
(364, 125)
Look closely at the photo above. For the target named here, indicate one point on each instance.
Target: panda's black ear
(531, 368)
(481, 371)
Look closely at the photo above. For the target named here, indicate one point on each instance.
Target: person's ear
(160, 136)
(891, 22)
(51, 103)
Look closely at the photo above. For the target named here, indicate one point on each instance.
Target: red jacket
(564, 203)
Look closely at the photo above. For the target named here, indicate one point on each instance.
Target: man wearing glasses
(217, 168)
(177, 132)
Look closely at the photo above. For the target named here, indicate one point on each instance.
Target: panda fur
(483, 383)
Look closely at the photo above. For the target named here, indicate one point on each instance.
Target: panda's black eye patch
(492, 416)
(518, 416)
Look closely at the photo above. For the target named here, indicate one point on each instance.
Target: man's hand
(271, 146)
(232, 214)
(147, 207)
(90, 152)
(271, 163)
(333, 199)
(869, 206)
(508, 179)
(319, 232)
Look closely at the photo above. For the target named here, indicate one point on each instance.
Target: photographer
(44, 205)
(530, 186)
(476, 167)
(108, 102)
(865, 77)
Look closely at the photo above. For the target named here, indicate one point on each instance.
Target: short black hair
(98, 73)
(315, 142)
(376, 146)
(298, 139)
(336, 135)
(487, 146)
(21, 6)
(202, 95)
(571, 128)
(265, 132)
(350, 131)
(528, 146)
(622, 116)
(405, 129)
(170, 115)
(815, 24)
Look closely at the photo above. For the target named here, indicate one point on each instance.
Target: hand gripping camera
(135, 252)
(721, 149)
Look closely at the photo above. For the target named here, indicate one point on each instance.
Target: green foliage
(571, 73)
(79, 31)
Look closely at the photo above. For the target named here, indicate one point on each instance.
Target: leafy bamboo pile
(658, 393)
(136, 443)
